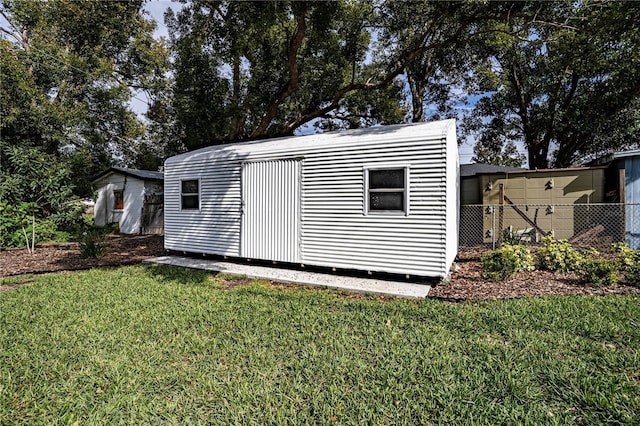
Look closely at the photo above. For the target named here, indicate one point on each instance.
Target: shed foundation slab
(354, 284)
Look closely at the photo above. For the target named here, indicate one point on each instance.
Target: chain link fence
(584, 225)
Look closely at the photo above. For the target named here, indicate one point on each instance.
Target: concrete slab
(355, 284)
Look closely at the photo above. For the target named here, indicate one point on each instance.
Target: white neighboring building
(383, 199)
(121, 198)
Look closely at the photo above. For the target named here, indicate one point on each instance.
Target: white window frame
(199, 194)
(407, 198)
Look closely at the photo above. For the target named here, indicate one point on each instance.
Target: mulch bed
(121, 250)
(467, 283)
(466, 279)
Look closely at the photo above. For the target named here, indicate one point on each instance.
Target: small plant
(509, 237)
(501, 264)
(628, 262)
(92, 244)
(558, 256)
(525, 261)
(627, 256)
(632, 273)
(599, 272)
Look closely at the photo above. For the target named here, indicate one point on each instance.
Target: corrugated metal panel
(271, 210)
(215, 228)
(334, 230)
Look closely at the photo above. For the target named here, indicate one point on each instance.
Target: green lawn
(153, 345)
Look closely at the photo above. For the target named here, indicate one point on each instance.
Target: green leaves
(68, 69)
(558, 255)
(565, 76)
(251, 70)
(501, 264)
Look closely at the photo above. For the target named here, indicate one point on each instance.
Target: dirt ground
(466, 279)
(121, 250)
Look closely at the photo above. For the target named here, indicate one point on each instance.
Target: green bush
(93, 244)
(501, 264)
(626, 255)
(509, 237)
(524, 260)
(16, 220)
(632, 273)
(558, 256)
(598, 272)
(628, 262)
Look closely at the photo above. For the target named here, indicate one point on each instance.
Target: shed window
(387, 190)
(190, 194)
(118, 200)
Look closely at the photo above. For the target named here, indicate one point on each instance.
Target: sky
(156, 10)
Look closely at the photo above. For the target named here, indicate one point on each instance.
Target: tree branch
(292, 84)
(19, 36)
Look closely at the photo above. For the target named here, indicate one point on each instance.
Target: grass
(152, 345)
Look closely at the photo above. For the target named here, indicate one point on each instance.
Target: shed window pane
(391, 179)
(190, 186)
(118, 200)
(387, 190)
(190, 202)
(190, 194)
(388, 201)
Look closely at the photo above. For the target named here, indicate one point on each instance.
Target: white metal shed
(381, 199)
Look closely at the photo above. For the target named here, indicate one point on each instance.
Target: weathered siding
(334, 229)
(128, 218)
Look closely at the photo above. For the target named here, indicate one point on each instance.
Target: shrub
(558, 256)
(93, 244)
(628, 262)
(509, 237)
(632, 273)
(524, 260)
(626, 255)
(501, 264)
(598, 271)
(17, 220)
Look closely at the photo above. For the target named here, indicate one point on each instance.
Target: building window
(118, 200)
(190, 194)
(387, 190)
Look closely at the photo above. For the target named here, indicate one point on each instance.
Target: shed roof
(478, 168)
(392, 133)
(140, 174)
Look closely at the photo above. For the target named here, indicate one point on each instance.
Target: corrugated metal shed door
(271, 210)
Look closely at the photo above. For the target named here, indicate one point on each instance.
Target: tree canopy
(68, 70)
(561, 78)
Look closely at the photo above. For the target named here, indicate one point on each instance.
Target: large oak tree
(563, 78)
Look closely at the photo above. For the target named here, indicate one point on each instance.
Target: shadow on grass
(174, 274)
